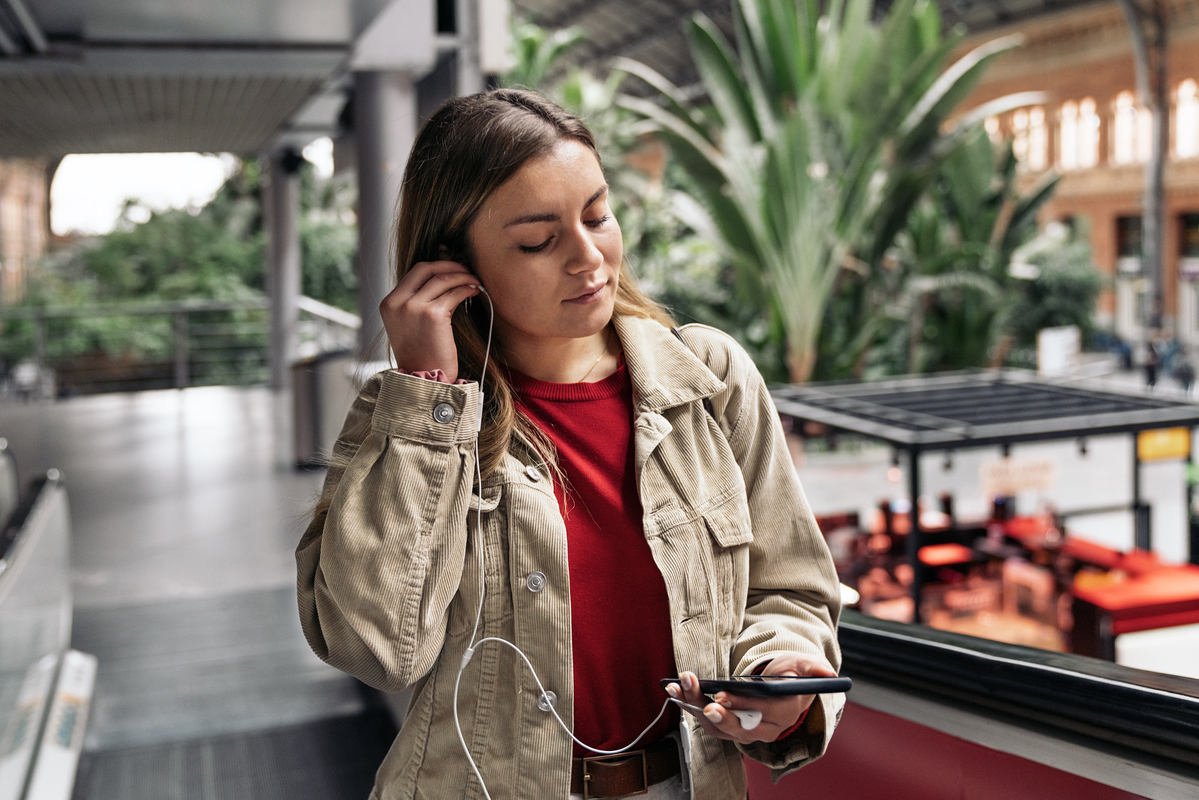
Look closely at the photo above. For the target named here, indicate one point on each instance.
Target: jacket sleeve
(794, 600)
(382, 558)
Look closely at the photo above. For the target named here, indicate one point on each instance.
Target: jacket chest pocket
(704, 558)
(730, 533)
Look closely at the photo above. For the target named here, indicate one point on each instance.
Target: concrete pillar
(282, 210)
(385, 124)
(470, 70)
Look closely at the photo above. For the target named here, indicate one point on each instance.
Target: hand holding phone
(777, 707)
(418, 312)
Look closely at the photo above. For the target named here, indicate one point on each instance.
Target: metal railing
(325, 328)
(65, 351)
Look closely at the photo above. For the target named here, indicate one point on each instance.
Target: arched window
(1068, 136)
(1030, 139)
(991, 125)
(1088, 133)
(1038, 140)
(1186, 120)
(1124, 130)
(1132, 131)
(1078, 134)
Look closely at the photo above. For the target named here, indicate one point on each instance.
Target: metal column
(385, 121)
(1142, 518)
(1192, 519)
(282, 207)
(915, 535)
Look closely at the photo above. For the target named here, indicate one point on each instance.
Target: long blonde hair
(466, 151)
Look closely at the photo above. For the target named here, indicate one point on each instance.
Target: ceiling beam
(33, 31)
(305, 62)
(7, 45)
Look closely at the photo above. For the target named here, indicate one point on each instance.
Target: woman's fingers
(428, 281)
(717, 721)
(720, 718)
(417, 316)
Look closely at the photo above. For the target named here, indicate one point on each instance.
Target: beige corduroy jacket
(389, 574)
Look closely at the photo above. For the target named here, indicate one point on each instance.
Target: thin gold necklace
(603, 352)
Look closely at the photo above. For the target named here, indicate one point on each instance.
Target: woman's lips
(589, 297)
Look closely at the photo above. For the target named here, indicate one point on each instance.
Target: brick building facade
(1090, 131)
(24, 222)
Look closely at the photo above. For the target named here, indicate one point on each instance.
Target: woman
(639, 517)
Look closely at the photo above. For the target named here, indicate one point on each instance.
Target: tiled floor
(184, 525)
(173, 494)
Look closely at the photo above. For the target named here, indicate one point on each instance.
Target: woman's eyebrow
(551, 217)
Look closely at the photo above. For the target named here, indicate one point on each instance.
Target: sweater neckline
(572, 392)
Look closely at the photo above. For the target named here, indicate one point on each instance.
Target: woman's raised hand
(417, 314)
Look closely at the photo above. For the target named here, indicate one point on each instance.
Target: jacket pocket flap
(491, 499)
(729, 522)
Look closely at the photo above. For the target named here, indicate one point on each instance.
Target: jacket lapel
(664, 372)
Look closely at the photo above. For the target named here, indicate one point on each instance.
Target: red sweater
(619, 612)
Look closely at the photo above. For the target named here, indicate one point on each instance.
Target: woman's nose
(585, 255)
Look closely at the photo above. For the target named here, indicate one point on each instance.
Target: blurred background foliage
(823, 203)
(867, 224)
(214, 253)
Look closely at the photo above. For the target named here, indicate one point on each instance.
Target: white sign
(1058, 350)
(1010, 476)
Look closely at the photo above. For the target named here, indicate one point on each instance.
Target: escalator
(215, 698)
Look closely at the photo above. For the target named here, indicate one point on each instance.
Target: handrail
(307, 304)
(226, 347)
(1147, 711)
(20, 515)
(331, 313)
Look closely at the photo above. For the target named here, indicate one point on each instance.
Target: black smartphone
(769, 685)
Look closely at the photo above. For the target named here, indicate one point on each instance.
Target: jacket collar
(664, 372)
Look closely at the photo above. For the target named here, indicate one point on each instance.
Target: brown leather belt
(625, 774)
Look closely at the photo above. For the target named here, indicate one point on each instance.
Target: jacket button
(535, 581)
(547, 700)
(533, 473)
(443, 413)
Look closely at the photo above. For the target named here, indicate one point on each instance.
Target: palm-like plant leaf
(821, 135)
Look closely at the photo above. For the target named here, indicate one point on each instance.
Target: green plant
(951, 290)
(822, 133)
(212, 253)
(1062, 287)
(329, 239)
(536, 52)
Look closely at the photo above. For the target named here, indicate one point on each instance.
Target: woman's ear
(443, 253)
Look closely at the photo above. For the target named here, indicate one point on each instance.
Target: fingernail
(672, 689)
(688, 682)
(712, 715)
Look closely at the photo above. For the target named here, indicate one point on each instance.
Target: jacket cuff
(806, 744)
(432, 375)
(426, 411)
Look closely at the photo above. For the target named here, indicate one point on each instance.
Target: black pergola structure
(962, 410)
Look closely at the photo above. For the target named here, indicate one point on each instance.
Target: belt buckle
(615, 757)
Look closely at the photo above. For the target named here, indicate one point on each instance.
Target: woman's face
(548, 250)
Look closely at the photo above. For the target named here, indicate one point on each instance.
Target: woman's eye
(536, 248)
(595, 223)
